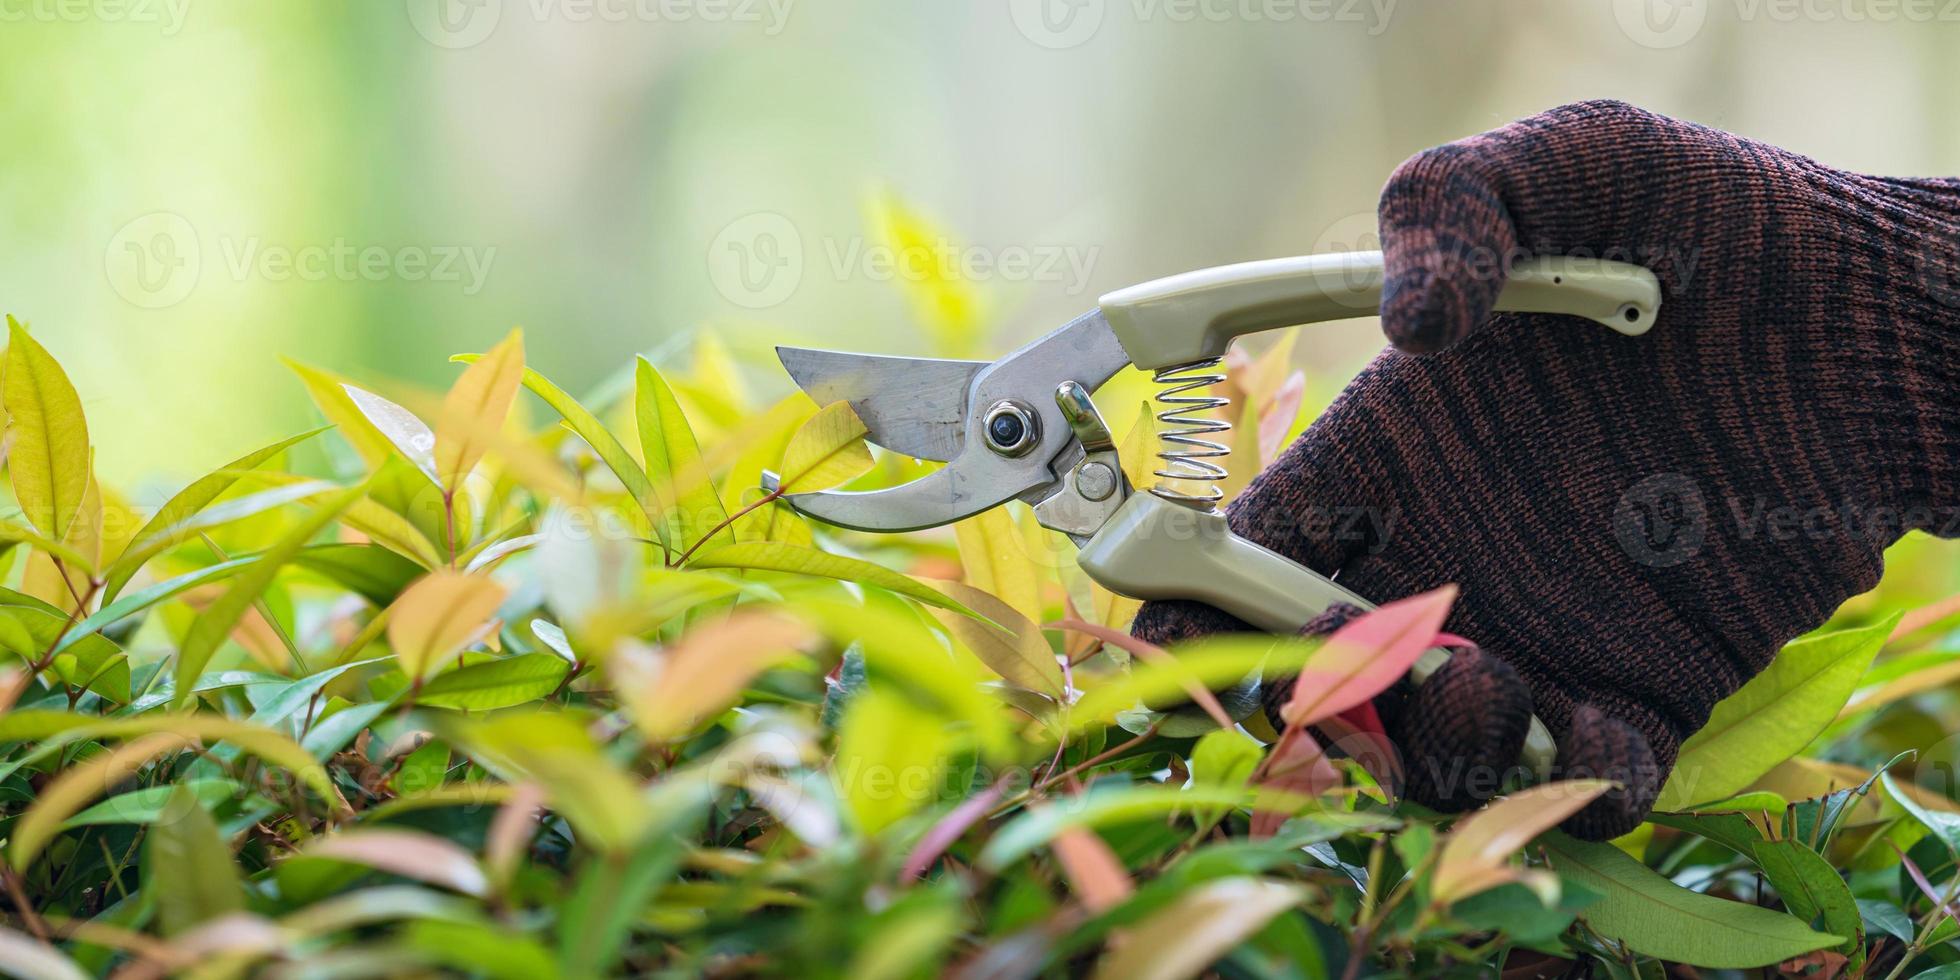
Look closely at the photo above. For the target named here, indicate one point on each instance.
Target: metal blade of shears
(978, 474)
(910, 405)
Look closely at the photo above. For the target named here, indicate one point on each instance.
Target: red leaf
(1370, 747)
(1094, 872)
(1297, 765)
(1367, 655)
(1276, 418)
(948, 829)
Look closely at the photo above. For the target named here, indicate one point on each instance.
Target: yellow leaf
(1019, 654)
(672, 690)
(994, 556)
(605, 803)
(392, 531)
(64, 585)
(329, 394)
(1476, 856)
(1138, 456)
(761, 441)
(437, 617)
(1139, 449)
(1197, 928)
(891, 756)
(924, 259)
(1928, 678)
(828, 450)
(49, 458)
(478, 402)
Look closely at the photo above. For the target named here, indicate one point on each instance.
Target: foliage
(583, 699)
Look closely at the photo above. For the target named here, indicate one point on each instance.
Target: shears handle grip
(1193, 316)
(1152, 548)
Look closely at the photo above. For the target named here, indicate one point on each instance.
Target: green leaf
(1773, 716)
(1944, 826)
(187, 503)
(1732, 830)
(1812, 889)
(1883, 916)
(1656, 917)
(95, 666)
(588, 427)
(298, 694)
(602, 801)
(49, 458)
(495, 683)
(189, 867)
(479, 949)
(144, 598)
(609, 895)
(891, 758)
(773, 556)
(424, 770)
(215, 623)
(404, 430)
(152, 803)
(57, 729)
(1035, 828)
(193, 526)
(377, 574)
(11, 534)
(1520, 914)
(689, 505)
(1224, 758)
(91, 660)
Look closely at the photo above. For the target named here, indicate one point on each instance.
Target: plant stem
(27, 912)
(768, 498)
(449, 524)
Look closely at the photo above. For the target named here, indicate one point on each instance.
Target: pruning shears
(1024, 427)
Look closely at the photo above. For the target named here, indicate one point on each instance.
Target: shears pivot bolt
(1095, 480)
(1012, 429)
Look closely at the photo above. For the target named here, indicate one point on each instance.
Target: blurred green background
(198, 188)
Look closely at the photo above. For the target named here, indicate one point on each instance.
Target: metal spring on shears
(1183, 425)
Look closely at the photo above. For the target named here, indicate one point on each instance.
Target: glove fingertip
(1446, 237)
(1600, 746)
(1462, 730)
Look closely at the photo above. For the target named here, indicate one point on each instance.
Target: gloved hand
(1637, 524)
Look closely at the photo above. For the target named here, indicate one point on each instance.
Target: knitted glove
(1637, 524)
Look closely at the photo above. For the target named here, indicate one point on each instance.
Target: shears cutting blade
(996, 425)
